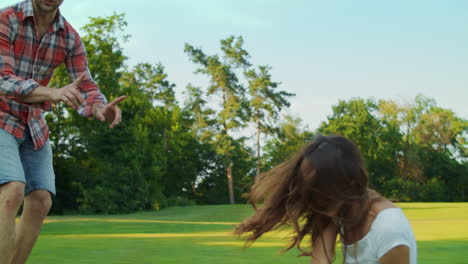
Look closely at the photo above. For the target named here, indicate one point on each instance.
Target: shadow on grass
(443, 251)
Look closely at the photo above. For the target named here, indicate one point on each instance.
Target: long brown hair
(327, 174)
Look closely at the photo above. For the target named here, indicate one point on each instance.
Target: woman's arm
(322, 249)
(397, 255)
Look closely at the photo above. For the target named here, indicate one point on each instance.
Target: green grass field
(203, 234)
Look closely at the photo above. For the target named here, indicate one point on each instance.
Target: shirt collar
(27, 8)
(59, 22)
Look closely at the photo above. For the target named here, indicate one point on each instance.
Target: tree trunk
(230, 184)
(404, 171)
(463, 192)
(229, 168)
(259, 163)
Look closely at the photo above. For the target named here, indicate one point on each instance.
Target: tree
(378, 140)
(67, 150)
(265, 104)
(434, 143)
(225, 83)
(441, 137)
(153, 80)
(201, 120)
(405, 117)
(442, 131)
(118, 170)
(292, 136)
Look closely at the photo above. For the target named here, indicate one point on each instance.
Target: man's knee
(39, 202)
(11, 195)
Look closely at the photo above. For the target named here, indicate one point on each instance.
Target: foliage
(265, 105)
(232, 112)
(414, 152)
(291, 137)
(169, 153)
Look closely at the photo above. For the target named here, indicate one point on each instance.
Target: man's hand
(69, 94)
(110, 112)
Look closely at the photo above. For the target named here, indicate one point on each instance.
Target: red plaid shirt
(27, 62)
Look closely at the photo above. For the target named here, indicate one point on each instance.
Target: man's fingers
(117, 118)
(117, 101)
(99, 116)
(71, 98)
(67, 102)
(78, 81)
(78, 96)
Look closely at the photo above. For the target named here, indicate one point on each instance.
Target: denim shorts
(21, 163)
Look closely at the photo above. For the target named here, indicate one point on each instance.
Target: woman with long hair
(323, 192)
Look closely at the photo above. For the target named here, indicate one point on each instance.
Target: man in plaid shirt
(34, 40)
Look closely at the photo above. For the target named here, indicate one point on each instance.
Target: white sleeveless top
(390, 228)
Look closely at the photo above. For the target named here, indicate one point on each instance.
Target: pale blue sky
(321, 50)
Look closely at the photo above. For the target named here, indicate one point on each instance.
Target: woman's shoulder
(389, 219)
(381, 205)
(391, 228)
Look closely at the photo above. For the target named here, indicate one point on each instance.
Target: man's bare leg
(11, 197)
(35, 209)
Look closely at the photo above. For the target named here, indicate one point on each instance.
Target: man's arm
(76, 63)
(10, 84)
(95, 102)
(28, 91)
(68, 94)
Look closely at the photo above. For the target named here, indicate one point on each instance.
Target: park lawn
(203, 234)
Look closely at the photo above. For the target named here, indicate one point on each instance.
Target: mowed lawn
(203, 234)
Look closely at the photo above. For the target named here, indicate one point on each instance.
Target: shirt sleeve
(10, 84)
(392, 236)
(77, 65)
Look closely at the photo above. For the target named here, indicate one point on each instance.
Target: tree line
(167, 152)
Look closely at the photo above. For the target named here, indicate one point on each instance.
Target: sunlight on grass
(47, 221)
(425, 230)
(241, 244)
(161, 237)
(440, 230)
(146, 235)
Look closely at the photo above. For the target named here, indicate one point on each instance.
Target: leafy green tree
(291, 137)
(406, 117)
(200, 116)
(441, 137)
(153, 80)
(208, 187)
(434, 143)
(378, 141)
(164, 154)
(67, 150)
(225, 84)
(266, 102)
(441, 130)
(106, 174)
